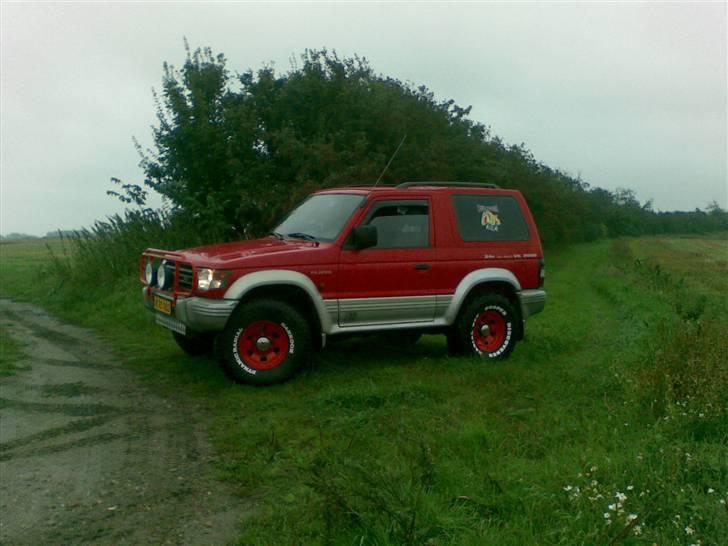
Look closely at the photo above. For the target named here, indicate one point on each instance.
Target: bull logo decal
(489, 217)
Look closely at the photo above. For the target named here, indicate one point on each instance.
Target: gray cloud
(627, 95)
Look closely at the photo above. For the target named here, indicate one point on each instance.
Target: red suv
(460, 259)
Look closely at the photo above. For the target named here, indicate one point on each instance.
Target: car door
(392, 282)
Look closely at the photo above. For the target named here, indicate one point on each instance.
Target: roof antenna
(390, 159)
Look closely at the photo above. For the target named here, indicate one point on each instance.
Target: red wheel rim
(263, 344)
(489, 330)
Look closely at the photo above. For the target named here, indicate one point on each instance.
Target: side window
(489, 218)
(401, 224)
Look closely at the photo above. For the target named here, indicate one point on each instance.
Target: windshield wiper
(304, 236)
(276, 235)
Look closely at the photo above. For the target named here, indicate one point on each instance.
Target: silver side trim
(332, 308)
(442, 303)
(389, 310)
(437, 323)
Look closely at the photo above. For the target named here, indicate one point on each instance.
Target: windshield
(320, 216)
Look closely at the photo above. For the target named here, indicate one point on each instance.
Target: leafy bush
(238, 152)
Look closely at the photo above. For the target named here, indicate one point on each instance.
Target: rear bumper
(532, 302)
(198, 314)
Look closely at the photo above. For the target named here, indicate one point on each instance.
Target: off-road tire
(264, 342)
(196, 344)
(486, 327)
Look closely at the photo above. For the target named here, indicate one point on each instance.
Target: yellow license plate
(162, 305)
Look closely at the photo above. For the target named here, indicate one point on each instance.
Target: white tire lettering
(236, 354)
(291, 340)
(506, 341)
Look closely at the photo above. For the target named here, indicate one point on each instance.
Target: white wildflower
(631, 517)
(612, 507)
(711, 490)
(621, 497)
(568, 488)
(637, 529)
(689, 530)
(607, 515)
(630, 487)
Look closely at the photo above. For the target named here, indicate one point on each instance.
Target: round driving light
(149, 274)
(163, 277)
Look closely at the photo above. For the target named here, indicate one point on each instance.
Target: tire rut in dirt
(89, 456)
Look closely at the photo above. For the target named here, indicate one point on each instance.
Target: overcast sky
(623, 94)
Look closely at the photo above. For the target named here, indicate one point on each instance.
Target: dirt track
(87, 455)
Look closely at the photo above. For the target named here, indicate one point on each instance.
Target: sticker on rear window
(489, 217)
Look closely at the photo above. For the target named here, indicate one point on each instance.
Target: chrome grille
(185, 277)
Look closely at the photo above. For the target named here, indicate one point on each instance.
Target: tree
(232, 154)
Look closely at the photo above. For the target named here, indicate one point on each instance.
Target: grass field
(608, 424)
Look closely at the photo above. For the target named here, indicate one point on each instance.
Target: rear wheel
(265, 342)
(487, 327)
(196, 344)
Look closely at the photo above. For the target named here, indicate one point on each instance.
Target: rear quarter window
(489, 218)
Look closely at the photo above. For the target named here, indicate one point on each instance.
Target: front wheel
(265, 342)
(486, 327)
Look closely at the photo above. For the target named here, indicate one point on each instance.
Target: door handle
(422, 267)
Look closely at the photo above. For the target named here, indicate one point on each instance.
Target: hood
(266, 252)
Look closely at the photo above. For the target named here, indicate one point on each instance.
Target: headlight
(210, 279)
(149, 274)
(164, 277)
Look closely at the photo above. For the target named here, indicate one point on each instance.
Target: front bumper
(532, 302)
(198, 314)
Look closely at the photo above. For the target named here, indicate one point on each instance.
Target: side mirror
(364, 237)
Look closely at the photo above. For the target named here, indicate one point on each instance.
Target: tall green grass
(109, 250)
(684, 371)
